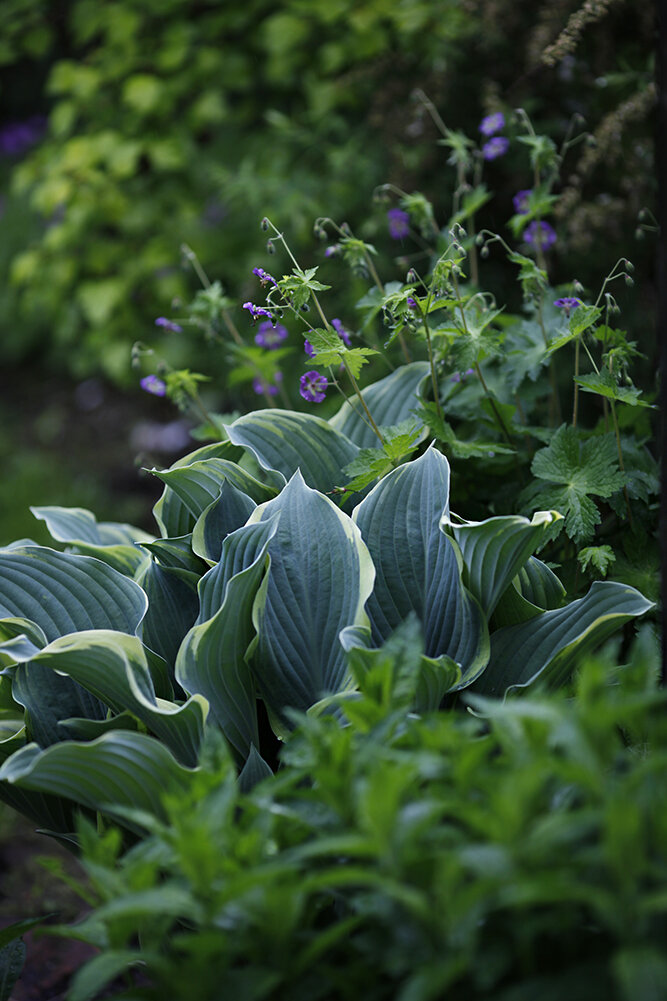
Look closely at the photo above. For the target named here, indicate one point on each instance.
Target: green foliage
(516, 852)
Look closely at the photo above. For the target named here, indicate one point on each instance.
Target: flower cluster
(498, 145)
(462, 376)
(521, 201)
(312, 386)
(261, 386)
(162, 321)
(492, 124)
(342, 332)
(567, 303)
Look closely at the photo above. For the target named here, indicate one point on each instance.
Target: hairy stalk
(434, 379)
(620, 460)
(376, 278)
(575, 403)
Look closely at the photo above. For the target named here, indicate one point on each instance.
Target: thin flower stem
(492, 402)
(434, 379)
(376, 279)
(194, 261)
(575, 403)
(620, 460)
(231, 327)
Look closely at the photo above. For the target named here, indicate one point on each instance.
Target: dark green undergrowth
(511, 850)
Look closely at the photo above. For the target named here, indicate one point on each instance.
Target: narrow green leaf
(100, 971)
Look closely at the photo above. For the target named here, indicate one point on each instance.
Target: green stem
(231, 327)
(492, 402)
(575, 404)
(376, 278)
(620, 459)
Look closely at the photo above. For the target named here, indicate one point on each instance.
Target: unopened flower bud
(577, 286)
(265, 224)
(270, 249)
(411, 277)
(629, 281)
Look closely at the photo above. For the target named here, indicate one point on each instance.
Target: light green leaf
(604, 384)
(64, 593)
(118, 769)
(495, 550)
(417, 565)
(211, 659)
(319, 580)
(285, 441)
(99, 971)
(550, 645)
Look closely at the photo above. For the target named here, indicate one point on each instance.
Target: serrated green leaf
(599, 557)
(604, 384)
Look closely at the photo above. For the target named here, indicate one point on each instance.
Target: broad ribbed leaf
(109, 541)
(286, 441)
(48, 699)
(254, 770)
(211, 659)
(319, 579)
(47, 811)
(20, 639)
(229, 511)
(535, 589)
(113, 668)
(118, 769)
(549, 646)
(417, 565)
(170, 512)
(172, 609)
(495, 550)
(177, 554)
(390, 401)
(64, 593)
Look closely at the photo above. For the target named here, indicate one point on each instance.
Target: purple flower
(520, 201)
(568, 303)
(462, 376)
(256, 311)
(261, 386)
(399, 223)
(162, 321)
(17, 137)
(312, 387)
(495, 147)
(411, 303)
(540, 234)
(492, 124)
(264, 276)
(270, 337)
(342, 332)
(332, 251)
(309, 349)
(153, 385)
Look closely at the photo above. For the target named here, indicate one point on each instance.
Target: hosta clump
(124, 654)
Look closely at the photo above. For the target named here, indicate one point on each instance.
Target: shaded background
(129, 128)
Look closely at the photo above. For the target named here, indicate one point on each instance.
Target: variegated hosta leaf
(170, 512)
(20, 639)
(172, 609)
(43, 809)
(109, 541)
(229, 511)
(319, 580)
(495, 550)
(417, 565)
(550, 645)
(286, 441)
(390, 401)
(119, 769)
(176, 554)
(211, 659)
(535, 589)
(48, 698)
(199, 484)
(65, 593)
(112, 667)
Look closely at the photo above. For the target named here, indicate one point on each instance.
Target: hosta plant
(266, 591)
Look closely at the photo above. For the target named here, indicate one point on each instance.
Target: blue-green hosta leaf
(64, 593)
(319, 580)
(20, 639)
(120, 768)
(173, 606)
(254, 770)
(535, 589)
(390, 401)
(113, 668)
(177, 554)
(417, 565)
(45, 810)
(211, 660)
(48, 699)
(495, 550)
(550, 645)
(224, 515)
(170, 512)
(286, 441)
(109, 541)
(79, 728)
